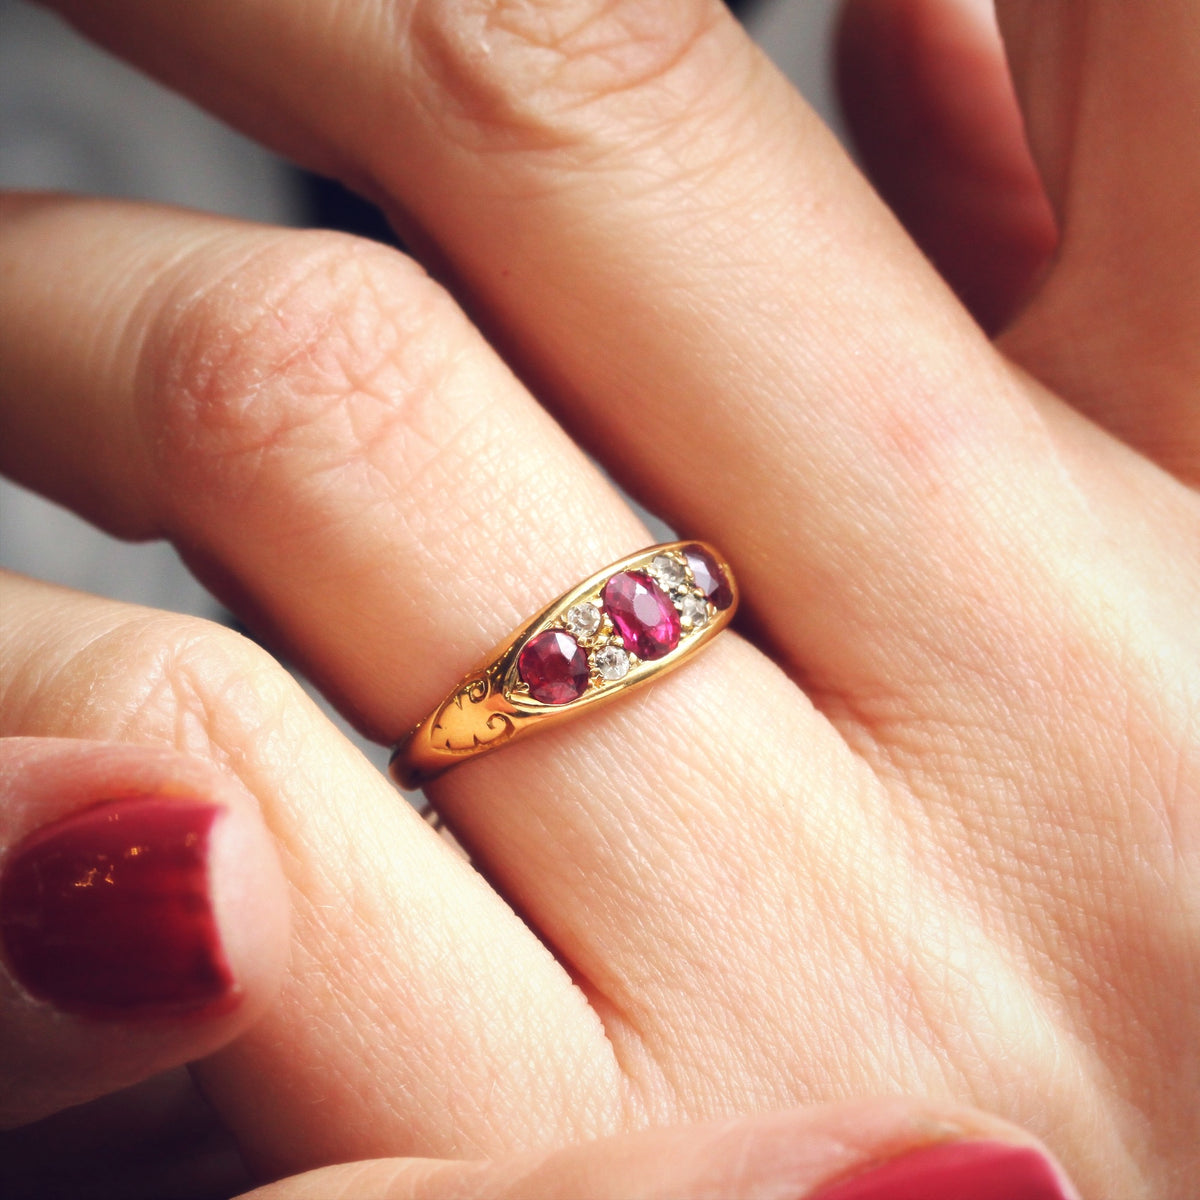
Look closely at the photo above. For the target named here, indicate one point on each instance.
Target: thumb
(143, 918)
(891, 1149)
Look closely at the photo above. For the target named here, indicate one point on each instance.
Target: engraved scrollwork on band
(458, 728)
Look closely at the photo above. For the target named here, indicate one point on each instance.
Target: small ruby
(709, 577)
(554, 666)
(642, 613)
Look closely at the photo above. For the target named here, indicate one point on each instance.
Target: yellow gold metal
(492, 707)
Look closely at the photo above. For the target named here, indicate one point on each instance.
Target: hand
(929, 828)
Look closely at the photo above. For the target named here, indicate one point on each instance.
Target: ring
(619, 628)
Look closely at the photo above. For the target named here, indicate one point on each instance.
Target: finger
(931, 108)
(597, 181)
(1116, 325)
(143, 918)
(872, 1150)
(330, 443)
(403, 964)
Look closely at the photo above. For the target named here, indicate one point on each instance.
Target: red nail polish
(107, 912)
(956, 1171)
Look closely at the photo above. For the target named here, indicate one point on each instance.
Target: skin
(927, 825)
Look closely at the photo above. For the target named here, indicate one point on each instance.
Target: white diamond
(694, 612)
(612, 662)
(583, 620)
(669, 570)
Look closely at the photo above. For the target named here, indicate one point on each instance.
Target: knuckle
(185, 682)
(531, 74)
(290, 358)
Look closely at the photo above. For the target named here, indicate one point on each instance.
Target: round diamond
(554, 667)
(583, 620)
(668, 570)
(694, 612)
(612, 662)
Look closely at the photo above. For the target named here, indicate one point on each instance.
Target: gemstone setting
(669, 571)
(612, 662)
(554, 667)
(642, 614)
(693, 612)
(584, 621)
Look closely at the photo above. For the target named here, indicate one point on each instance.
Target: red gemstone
(709, 577)
(643, 614)
(554, 666)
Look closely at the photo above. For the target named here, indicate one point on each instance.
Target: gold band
(619, 628)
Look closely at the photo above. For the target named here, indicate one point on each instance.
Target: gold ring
(616, 630)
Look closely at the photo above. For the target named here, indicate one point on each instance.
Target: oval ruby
(642, 613)
(709, 577)
(554, 666)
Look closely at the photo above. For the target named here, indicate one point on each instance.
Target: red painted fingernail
(957, 1171)
(107, 912)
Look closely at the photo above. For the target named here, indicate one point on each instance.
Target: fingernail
(107, 913)
(956, 1171)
